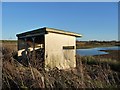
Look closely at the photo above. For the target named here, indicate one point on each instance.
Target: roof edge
(47, 29)
(62, 32)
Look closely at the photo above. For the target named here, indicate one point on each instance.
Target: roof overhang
(46, 30)
(63, 32)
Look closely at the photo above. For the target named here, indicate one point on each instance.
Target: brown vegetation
(92, 44)
(91, 72)
(113, 54)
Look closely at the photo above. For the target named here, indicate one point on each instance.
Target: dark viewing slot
(68, 47)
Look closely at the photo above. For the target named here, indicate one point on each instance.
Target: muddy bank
(113, 54)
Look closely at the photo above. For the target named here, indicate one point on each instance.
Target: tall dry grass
(89, 73)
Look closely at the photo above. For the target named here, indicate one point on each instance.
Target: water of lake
(95, 51)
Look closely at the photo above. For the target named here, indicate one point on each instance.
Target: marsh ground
(93, 44)
(91, 72)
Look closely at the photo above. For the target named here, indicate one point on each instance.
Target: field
(93, 44)
(91, 72)
(113, 54)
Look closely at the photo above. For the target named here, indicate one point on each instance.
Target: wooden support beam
(33, 38)
(26, 46)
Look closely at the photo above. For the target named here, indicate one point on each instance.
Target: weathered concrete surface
(55, 56)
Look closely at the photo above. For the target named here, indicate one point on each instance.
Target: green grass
(90, 60)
